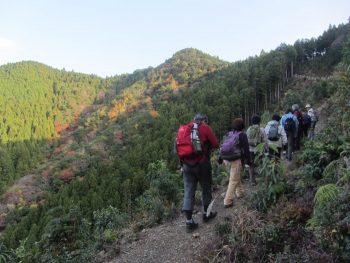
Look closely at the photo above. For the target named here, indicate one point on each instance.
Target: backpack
(289, 124)
(313, 115)
(299, 116)
(273, 133)
(188, 144)
(253, 134)
(230, 149)
(307, 120)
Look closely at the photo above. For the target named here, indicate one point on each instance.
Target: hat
(201, 117)
(295, 107)
(308, 106)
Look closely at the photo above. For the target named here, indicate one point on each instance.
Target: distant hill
(37, 101)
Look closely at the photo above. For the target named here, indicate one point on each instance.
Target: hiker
(240, 156)
(197, 168)
(276, 135)
(306, 124)
(297, 113)
(290, 124)
(314, 119)
(256, 135)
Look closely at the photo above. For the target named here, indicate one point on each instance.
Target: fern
(326, 193)
(312, 223)
(330, 172)
(345, 178)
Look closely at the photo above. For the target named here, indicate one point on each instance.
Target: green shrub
(272, 184)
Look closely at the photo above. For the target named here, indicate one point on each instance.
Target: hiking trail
(169, 242)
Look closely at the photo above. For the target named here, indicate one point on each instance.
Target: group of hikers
(196, 140)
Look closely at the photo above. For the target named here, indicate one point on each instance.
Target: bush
(271, 185)
(160, 200)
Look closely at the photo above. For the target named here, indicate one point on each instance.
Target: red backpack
(188, 144)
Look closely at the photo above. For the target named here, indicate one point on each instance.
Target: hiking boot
(191, 226)
(210, 216)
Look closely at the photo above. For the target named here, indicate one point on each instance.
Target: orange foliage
(118, 108)
(66, 175)
(172, 82)
(154, 113)
(61, 127)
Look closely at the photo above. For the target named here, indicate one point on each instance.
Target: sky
(112, 37)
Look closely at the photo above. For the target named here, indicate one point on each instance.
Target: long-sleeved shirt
(282, 140)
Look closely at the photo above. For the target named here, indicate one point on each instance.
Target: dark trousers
(290, 145)
(192, 174)
(298, 139)
(252, 168)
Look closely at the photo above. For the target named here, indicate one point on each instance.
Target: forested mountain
(109, 156)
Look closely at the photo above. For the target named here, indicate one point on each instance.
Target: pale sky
(106, 37)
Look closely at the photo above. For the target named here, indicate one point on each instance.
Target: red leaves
(66, 175)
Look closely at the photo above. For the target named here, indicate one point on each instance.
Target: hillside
(113, 168)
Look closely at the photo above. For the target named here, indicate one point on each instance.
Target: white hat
(308, 106)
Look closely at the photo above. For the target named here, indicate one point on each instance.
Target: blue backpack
(289, 125)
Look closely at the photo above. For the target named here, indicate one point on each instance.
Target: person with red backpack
(235, 150)
(194, 143)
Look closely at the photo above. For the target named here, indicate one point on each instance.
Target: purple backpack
(230, 149)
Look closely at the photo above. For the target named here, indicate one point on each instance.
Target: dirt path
(171, 243)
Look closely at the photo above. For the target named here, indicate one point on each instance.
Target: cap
(295, 107)
(201, 117)
(308, 106)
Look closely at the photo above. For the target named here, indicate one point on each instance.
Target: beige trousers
(235, 184)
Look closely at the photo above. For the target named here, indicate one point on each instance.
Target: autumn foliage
(66, 175)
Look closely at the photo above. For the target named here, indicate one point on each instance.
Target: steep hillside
(37, 101)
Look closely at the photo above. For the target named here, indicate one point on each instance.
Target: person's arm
(267, 128)
(296, 122)
(282, 120)
(213, 140)
(263, 135)
(283, 135)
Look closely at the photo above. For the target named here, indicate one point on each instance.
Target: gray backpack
(273, 133)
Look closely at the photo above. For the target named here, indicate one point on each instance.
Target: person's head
(295, 107)
(276, 117)
(200, 117)
(256, 119)
(308, 106)
(289, 110)
(238, 124)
